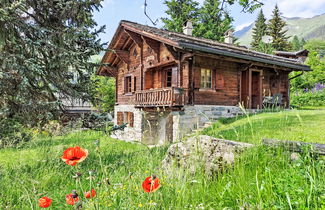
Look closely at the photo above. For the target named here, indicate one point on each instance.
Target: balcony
(160, 97)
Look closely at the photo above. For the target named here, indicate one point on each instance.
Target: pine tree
(179, 12)
(213, 22)
(277, 32)
(44, 44)
(303, 43)
(210, 21)
(259, 30)
(296, 44)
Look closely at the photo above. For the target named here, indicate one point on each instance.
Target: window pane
(206, 78)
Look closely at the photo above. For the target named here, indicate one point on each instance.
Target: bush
(312, 97)
(12, 133)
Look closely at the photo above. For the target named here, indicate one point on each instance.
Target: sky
(114, 11)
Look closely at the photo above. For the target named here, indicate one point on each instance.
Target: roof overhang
(206, 49)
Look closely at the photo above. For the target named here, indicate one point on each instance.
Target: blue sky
(115, 10)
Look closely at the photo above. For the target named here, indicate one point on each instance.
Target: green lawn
(262, 178)
(304, 125)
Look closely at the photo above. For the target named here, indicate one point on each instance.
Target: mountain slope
(307, 28)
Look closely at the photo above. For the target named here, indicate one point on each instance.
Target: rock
(203, 151)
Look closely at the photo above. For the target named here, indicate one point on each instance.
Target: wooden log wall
(152, 53)
(225, 82)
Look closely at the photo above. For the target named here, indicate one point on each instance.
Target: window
(206, 78)
(128, 84)
(169, 78)
(125, 117)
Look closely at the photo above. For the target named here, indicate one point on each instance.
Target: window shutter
(197, 77)
(220, 83)
(131, 119)
(123, 84)
(119, 118)
(174, 77)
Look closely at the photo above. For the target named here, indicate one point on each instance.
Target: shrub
(313, 97)
(12, 133)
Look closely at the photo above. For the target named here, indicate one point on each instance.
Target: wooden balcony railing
(160, 97)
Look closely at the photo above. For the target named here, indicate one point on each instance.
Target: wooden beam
(135, 37)
(154, 45)
(123, 55)
(126, 43)
(173, 51)
(111, 71)
(296, 146)
(115, 61)
(186, 56)
(150, 35)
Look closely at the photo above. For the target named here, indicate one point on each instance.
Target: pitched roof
(187, 42)
(297, 53)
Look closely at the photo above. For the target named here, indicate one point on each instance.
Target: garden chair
(276, 100)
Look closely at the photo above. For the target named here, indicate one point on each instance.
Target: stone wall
(165, 126)
(194, 117)
(130, 133)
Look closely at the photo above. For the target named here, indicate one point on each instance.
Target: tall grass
(261, 178)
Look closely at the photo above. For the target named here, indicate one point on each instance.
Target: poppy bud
(74, 194)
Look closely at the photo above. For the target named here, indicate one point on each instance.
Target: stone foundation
(165, 126)
(130, 133)
(194, 117)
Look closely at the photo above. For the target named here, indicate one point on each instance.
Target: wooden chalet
(168, 83)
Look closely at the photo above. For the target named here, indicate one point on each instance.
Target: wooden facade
(158, 68)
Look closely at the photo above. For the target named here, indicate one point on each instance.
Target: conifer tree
(296, 44)
(259, 30)
(209, 21)
(277, 32)
(179, 12)
(213, 22)
(44, 44)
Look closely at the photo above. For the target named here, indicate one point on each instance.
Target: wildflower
(74, 155)
(44, 202)
(90, 194)
(151, 184)
(72, 198)
(140, 205)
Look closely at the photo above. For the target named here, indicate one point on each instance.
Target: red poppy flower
(71, 199)
(90, 194)
(74, 155)
(44, 202)
(151, 184)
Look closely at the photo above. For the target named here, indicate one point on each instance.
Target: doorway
(251, 89)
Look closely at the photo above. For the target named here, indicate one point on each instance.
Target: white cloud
(107, 2)
(295, 8)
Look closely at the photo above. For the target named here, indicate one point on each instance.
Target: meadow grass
(261, 178)
(294, 125)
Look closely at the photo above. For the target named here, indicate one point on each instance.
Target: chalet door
(245, 92)
(251, 89)
(256, 90)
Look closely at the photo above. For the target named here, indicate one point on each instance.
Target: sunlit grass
(262, 178)
(307, 126)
